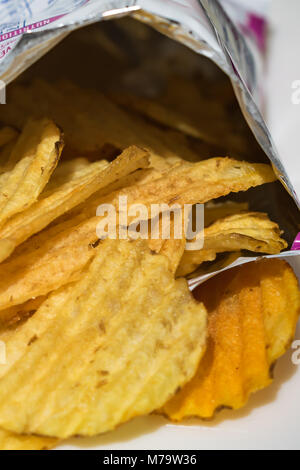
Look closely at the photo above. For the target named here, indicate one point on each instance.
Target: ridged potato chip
(31, 163)
(57, 262)
(65, 251)
(191, 183)
(173, 249)
(186, 183)
(167, 236)
(90, 180)
(166, 115)
(87, 209)
(65, 172)
(92, 122)
(218, 264)
(183, 106)
(10, 321)
(12, 441)
(218, 210)
(253, 311)
(123, 126)
(96, 332)
(11, 317)
(126, 326)
(252, 231)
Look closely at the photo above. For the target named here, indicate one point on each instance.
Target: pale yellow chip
(12, 441)
(113, 346)
(31, 163)
(89, 180)
(253, 311)
(252, 231)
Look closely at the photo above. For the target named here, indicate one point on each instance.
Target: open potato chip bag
(97, 321)
(252, 313)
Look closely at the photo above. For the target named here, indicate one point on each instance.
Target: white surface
(283, 69)
(271, 419)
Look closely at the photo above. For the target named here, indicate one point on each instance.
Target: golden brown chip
(168, 145)
(126, 326)
(90, 179)
(31, 163)
(70, 248)
(252, 231)
(87, 209)
(65, 172)
(12, 441)
(184, 107)
(168, 236)
(191, 183)
(11, 317)
(185, 183)
(41, 269)
(165, 115)
(7, 134)
(92, 121)
(253, 312)
(218, 210)
(65, 252)
(5, 153)
(218, 264)
(172, 248)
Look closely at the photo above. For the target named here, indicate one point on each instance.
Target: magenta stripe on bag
(257, 26)
(296, 244)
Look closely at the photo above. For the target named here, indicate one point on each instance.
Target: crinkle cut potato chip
(91, 179)
(252, 231)
(66, 171)
(218, 210)
(11, 317)
(93, 121)
(31, 163)
(12, 441)
(185, 108)
(41, 269)
(126, 325)
(167, 236)
(191, 183)
(64, 254)
(253, 311)
(188, 183)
